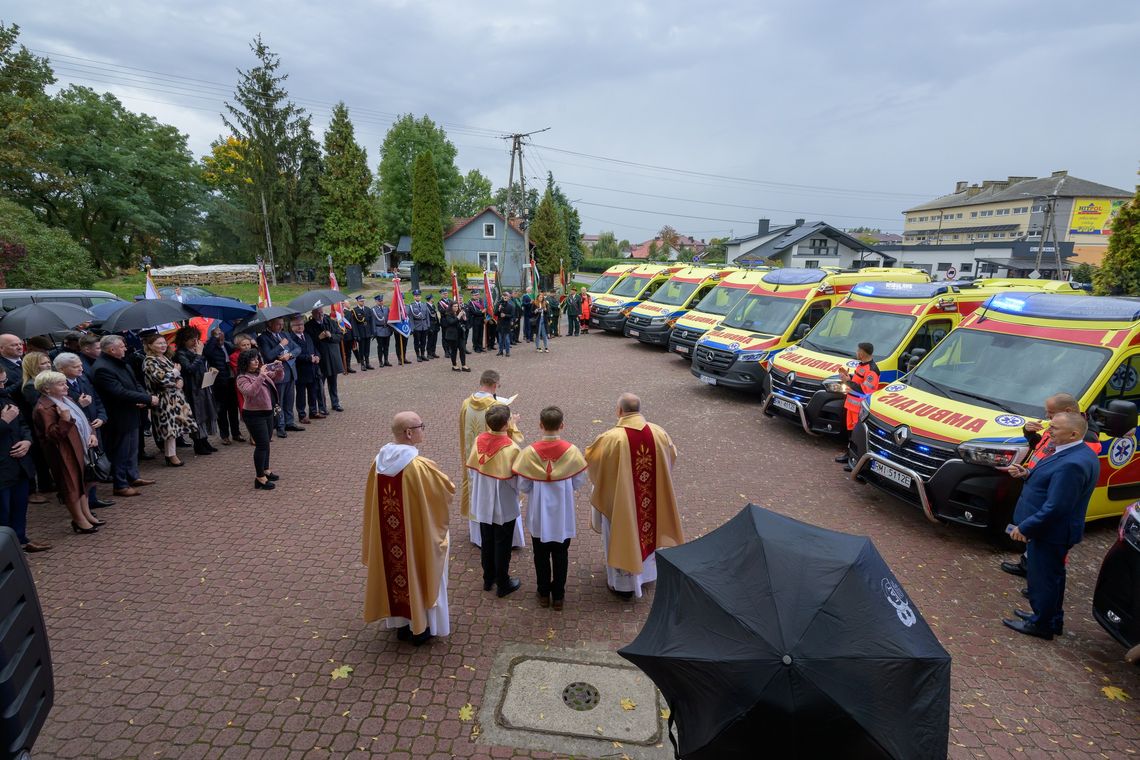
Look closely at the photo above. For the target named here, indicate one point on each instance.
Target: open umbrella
(215, 307)
(44, 318)
(150, 312)
(107, 308)
(773, 638)
(265, 314)
(311, 299)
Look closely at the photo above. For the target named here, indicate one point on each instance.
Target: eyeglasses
(420, 426)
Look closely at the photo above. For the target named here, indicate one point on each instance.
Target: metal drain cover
(580, 696)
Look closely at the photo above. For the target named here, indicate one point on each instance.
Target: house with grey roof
(803, 244)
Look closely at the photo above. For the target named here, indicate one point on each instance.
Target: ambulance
(934, 437)
(609, 311)
(606, 281)
(711, 309)
(652, 320)
(904, 321)
(778, 310)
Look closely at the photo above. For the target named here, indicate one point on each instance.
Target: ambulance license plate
(682, 349)
(708, 380)
(593, 320)
(634, 333)
(783, 403)
(890, 473)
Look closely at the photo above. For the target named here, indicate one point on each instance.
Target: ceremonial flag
(490, 305)
(151, 293)
(263, 297)
(533, 278)
(562, 275)
(337, 309)
(397, 313)
(455, 296)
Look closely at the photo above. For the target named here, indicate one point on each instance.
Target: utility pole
(1048, 231)
(517, 142)
(268, 240)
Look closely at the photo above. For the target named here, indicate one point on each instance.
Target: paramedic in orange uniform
(860, 385)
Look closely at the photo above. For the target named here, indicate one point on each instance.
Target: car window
(1124, 383)
(77, 300)
(16, 302)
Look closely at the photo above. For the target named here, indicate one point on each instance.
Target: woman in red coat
(66, 435)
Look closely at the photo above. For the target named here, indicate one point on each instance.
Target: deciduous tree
(1119, 272)
(473, 195)
(405, 141)
(50, 257)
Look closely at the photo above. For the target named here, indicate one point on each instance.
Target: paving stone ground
(207, 618)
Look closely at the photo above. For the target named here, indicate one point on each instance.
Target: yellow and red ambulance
(609, 311)
(902, 320)
(711, 309)
(608, 279)
(652, 320)
(775, 312)
(934, 438)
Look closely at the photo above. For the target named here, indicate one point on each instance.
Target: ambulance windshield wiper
(945, 391)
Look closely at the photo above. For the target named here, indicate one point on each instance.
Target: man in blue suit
(1050, 515)
(276, 345)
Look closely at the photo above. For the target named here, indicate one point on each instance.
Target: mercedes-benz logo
(791, 378)
(901, 434)
(707, 355)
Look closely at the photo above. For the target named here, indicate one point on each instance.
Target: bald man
(405, 538)
(1050, 517)
(631, 467)
(11, 352)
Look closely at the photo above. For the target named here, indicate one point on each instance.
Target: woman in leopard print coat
(173, 416)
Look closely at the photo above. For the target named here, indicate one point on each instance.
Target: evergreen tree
(263, 117)
(403, 144)
(514, 209)
(1119, 272)
(427, 224)
(549, 237)
(307, 217)
(571, 222)
(474, 195)
(349, 231)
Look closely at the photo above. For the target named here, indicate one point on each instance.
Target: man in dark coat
(433, 329)
(216, 351)
(505, 316)
(327, 336)
(1050, 516)
(442, 308)
(420, 315)
(17, 471)
(528, 317)
(475, 318)
(573, 308)
(308, 365)
(363, 330)
(124, 396)
(278, 345)
(382, 329)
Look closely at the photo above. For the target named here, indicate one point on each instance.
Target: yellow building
(1016, 209)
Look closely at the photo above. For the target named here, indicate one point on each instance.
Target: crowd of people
(406, 540)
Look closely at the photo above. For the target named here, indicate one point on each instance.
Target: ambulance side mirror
(801, 330)
(1118, 418)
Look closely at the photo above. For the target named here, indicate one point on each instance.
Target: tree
(230, 230)
(571, 222)
(473, 195)
(269, 124)
(607, 246)
(515, 207)
(1119, 272)
(350, 233)
(407, 139)
(40, 256)
(716, 250)
(27, 121)
(427, 224)
(307, 216)
(549, 236)
(1082, 273)
(654, 251)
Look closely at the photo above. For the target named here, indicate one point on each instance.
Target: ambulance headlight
(834, 385)
(657, 320)
(991, 455)
(750, 356)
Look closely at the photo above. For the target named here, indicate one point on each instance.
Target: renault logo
(791, 378)
(901, 434)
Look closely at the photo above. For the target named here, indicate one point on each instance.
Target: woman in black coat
(452, 323)
(16, 470)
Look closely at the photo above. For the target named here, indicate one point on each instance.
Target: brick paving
(207, 618)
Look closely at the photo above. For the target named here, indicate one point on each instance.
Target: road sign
(951, 273)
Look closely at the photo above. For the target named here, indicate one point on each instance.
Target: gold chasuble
(472, 422)
(549, 461)
(493, 455)
(631, 469)
(405, 541)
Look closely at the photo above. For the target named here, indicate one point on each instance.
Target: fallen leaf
(628, 704)
(600, 730)
(665, 713)
(342, 672)
(1115, 693)
(467, 713)
(617, 745)
(468, 667)
(596, 422)
(344, 714)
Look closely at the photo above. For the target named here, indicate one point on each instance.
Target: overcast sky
(843, 111)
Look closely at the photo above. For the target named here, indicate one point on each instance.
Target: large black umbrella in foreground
(44, 318)
(312, 299)
(771, 638)
(147, 313)
(265, 314)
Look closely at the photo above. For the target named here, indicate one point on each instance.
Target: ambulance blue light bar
(794, 276)
(1057, 306)
(901, 289)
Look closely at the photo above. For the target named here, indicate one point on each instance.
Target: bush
(54, 259)
(601, 265)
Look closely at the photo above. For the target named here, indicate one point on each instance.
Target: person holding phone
(256, 382)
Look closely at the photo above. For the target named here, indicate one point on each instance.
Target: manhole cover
(580, 696)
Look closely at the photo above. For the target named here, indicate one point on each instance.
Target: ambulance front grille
(918, 455)
(801, 390)
(636, 320)
(682, 335)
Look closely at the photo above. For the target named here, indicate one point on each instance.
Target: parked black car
(1116, 600)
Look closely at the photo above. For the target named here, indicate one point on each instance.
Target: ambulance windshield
(769, 315)
(842, 330)
(973, 366)
(674, 293)
(720, 300)
(631, 285)
(604, 283)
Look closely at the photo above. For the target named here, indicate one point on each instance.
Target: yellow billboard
(1093, 216)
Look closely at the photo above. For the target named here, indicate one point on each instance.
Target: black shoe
(145, 456)
(422, 638)
(404, 633)
(513, 585)
(75, 527)
(101, 503)
(842, 458)
(350, 371)
(282, 434)
(622, 594)
(338, 408)
(847, 467)
(268, 485)
(180, 443)
(386, 364)
(1029, 629)
(488, 585)
(211, 447)
(1013, 568)
(1058, 631)
(295, 428)
(272, 477)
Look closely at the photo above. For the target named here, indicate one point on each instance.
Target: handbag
(98, 465)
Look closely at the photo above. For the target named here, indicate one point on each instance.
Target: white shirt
(550, 507)
(1059, 449)
(493, 500)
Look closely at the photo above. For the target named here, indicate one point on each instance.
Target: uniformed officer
(860, 384)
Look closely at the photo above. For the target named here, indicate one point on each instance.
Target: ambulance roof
(901, 289)
(795, 276)
(1057, 306)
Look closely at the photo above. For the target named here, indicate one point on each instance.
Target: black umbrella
(263, 315)
(150, 312)
(773, 638)
(216, 307)
(312, 299)
(44, 318)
